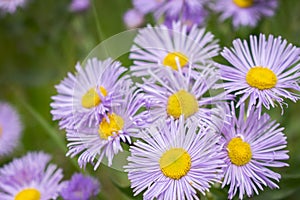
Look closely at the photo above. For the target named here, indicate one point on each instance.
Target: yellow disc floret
(28, 194)
(170, 60)
(261, 78)
(239, 151)
(244, 3)
(182, 102)
(91, 98)
(175, 163)
(114, 124)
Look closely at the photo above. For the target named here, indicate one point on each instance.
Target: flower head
(80, 187)
(105, 139)
(133, 18)
(264, 72)
(83, 98)
(79, 5)
(250, 147)
(174, 161)
(178, 94)
(10, 129)
(158, 47)
(30, 177)
(245, 12)
(11, 6)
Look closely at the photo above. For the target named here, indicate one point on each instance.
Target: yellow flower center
(91, 98)
(175, 163)
(115, 124)
(239, 151)
(170, 60)
(244, 3)
(182, 102)
(1, 131)
(28, 194)
(261, 78)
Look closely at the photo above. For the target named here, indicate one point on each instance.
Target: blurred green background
(40, 43)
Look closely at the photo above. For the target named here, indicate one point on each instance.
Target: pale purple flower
(245, 12)
(174, 161)
(80, 187)
(133, 18)
(263, 71)
(11, 6)
(106, 137)
(252, 146)
(10, 129)
(82, 98)
(156, 48)
(79, 5)
(30, 177)
(184, 94)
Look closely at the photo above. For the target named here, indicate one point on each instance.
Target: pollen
(91, 98)
(261, 78)
(114, 124)
(28, 194)
(175, 163)
(239, 151)
(170, 60)
(244, 3)
(182, 102)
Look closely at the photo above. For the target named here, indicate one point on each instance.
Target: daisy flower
(105, 138)
(264, 72)
(180, 94)
(80, 187)
(30, 177)
(245, 12)
(250, 147)
(158, 47)
(84, 97)
(11, 6)
(174, 161)
(10, 129)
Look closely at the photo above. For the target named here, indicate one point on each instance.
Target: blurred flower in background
(80, 187)
(133, 19)
(79, 5)
(245, 12)
(30, 177)
(10, 129)
(11, 6)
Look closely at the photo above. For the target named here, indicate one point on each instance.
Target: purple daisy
(245, 12)
(11, 6)
(133, 19)
(80, 187)
(10, 129)
(250, 147)
(265, 73)
(174, 161)
(105, 139)
(178, 94)
(30, 177)
(79, 5)
(158, 47)
(79, 103)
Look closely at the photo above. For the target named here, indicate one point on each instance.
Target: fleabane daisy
(11, 6)
(30, 177)
(174, 161)
(263, 72)
(178, 94)
(250, 147)
(158, 47)
(10, 129)
(245, 12)
(117, 126)
(82, 98)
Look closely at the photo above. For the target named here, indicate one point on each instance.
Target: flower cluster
(191, 12)
(187, 135)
